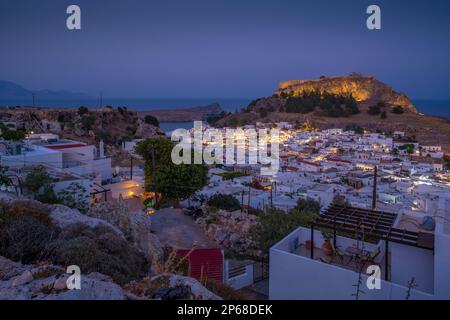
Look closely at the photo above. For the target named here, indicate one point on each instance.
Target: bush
(100, 250)
(223, 290)
(224, 202)
(398, 110)
(374, 110)
(74, 196)
(13, 135)
(149, 119)
(306, 205)
(353, 127)
(263, 113)
(383, 115)
(82, 110)
(26, 233)
(232, 175)
(330, 105)
(276, 224)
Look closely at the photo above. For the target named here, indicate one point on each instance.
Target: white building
(406, 251)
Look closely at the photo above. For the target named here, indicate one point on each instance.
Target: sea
(429, 107)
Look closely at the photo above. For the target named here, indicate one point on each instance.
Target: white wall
(53, 158)
(240, 281)
(407, 262)
(100, 166)
(61, 185)
(442, 251)
(296, 277)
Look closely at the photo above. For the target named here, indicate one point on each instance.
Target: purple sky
(222, 48)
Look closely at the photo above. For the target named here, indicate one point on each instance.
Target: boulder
(22, 285)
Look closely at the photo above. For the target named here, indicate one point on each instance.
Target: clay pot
(308, 244)
(326, 247)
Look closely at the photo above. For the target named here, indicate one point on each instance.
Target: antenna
(101, 99)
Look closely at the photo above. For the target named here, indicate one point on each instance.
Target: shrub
(39, 182)
(13, 135)
(232, 175)
(331, 105)
(307, 205)
(82, 110)
(87, 122)
(100, 250)
(398, 110)
(149, 119)
(383, 115)
(276, 224)
(263, 113)
(224, 201)
(74, 196)
(374, 110)
(223, 290)
(353, 127)
(26, 233)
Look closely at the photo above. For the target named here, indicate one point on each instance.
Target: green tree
(87, 122)
(4, 178)
(12, 135)
(224, 201)
(171, 180)
(398, 110)
(383, 115)
(149, 119)
(374, 110)
(75, 197)
(263, 113)
(82, 110)
(276, 224)
(40, 184)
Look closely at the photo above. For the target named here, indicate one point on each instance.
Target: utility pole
(131, 168)
(33, 97)
(374, 193)
(155, 186)
(248, 204)
(271, 196)
(101, 99)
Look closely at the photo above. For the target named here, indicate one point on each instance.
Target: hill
(10, 91)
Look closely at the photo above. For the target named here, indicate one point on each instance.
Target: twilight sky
(222, 48)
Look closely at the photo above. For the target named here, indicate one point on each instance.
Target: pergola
(369, 224)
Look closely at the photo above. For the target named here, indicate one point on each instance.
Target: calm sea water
(431, 107)
(227, 104)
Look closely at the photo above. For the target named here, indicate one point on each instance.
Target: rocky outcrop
(185, 114)
(135, 226)
(48, 282)
(231, 230)
(110, 125)
(365, 89)
(169, 287)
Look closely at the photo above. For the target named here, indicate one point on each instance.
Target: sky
(222, 48)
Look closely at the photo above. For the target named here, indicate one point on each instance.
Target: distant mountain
(13, 92)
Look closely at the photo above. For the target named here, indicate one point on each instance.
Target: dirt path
(175, 229)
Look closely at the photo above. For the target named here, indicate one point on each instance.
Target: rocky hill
(14, 93)
(366, 92)
(365, 89)
(118, 256)
(112, 125)
(184, 114)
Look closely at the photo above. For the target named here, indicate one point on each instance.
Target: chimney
(101, 149)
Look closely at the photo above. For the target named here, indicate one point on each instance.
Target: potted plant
(308, 244)
(326, 246)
